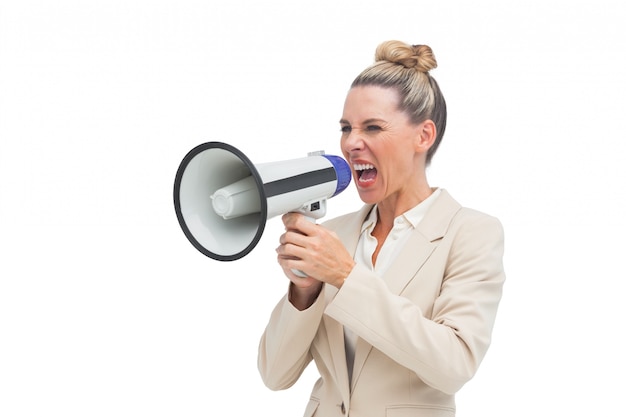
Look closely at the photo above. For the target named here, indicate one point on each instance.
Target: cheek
(398, 163)
(343, 146)
(344, 152)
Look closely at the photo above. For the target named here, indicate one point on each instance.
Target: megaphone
(222, 200)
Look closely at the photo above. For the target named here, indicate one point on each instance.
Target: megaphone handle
(297, 272)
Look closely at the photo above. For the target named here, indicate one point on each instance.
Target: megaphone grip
(297, 272)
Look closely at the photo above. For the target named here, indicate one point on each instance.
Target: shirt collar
(413, 216)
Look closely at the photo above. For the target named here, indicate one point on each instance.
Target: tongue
(368, 175)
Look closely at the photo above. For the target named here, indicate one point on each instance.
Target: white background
(107, 310)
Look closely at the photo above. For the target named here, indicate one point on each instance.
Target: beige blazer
(423, 327)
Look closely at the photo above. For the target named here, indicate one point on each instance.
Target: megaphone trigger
(313, 210)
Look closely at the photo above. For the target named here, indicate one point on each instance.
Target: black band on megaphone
(298, 182)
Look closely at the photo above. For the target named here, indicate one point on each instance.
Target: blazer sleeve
(284, 349)
(444, 347)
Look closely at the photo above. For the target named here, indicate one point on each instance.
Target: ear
(426, 134)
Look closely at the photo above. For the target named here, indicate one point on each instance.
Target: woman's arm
(284, 349)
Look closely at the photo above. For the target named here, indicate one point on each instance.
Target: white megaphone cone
(223, 201)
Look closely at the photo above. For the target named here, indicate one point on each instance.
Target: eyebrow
(365, 122)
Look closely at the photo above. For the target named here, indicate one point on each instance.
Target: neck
(393, 206)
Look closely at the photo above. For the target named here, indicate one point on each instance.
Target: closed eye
(345, 129)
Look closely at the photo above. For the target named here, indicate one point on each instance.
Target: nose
(352, 141)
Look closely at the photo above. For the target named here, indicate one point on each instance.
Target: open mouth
(365, 172)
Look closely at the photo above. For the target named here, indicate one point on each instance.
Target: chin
(368, 196)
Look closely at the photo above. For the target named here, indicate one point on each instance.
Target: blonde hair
(405, 68)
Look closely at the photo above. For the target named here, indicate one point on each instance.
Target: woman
(400, 298)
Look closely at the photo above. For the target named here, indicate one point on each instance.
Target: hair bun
(418, 57)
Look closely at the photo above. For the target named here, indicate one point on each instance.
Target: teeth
(361, 167)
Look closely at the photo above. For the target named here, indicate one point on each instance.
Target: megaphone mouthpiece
(344, 175)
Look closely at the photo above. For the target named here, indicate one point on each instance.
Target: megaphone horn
(222, 200)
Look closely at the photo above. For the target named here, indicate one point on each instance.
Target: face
(382, 146)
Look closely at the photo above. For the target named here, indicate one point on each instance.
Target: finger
(298, 222)
(294, 238)
(292, 268)
(289, 220)
(291, 252)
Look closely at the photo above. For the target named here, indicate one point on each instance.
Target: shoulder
(461, 216)
(474, 241)
(470, 216)
(475, 234)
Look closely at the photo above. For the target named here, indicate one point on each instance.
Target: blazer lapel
(421, 243)
(410, 260)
